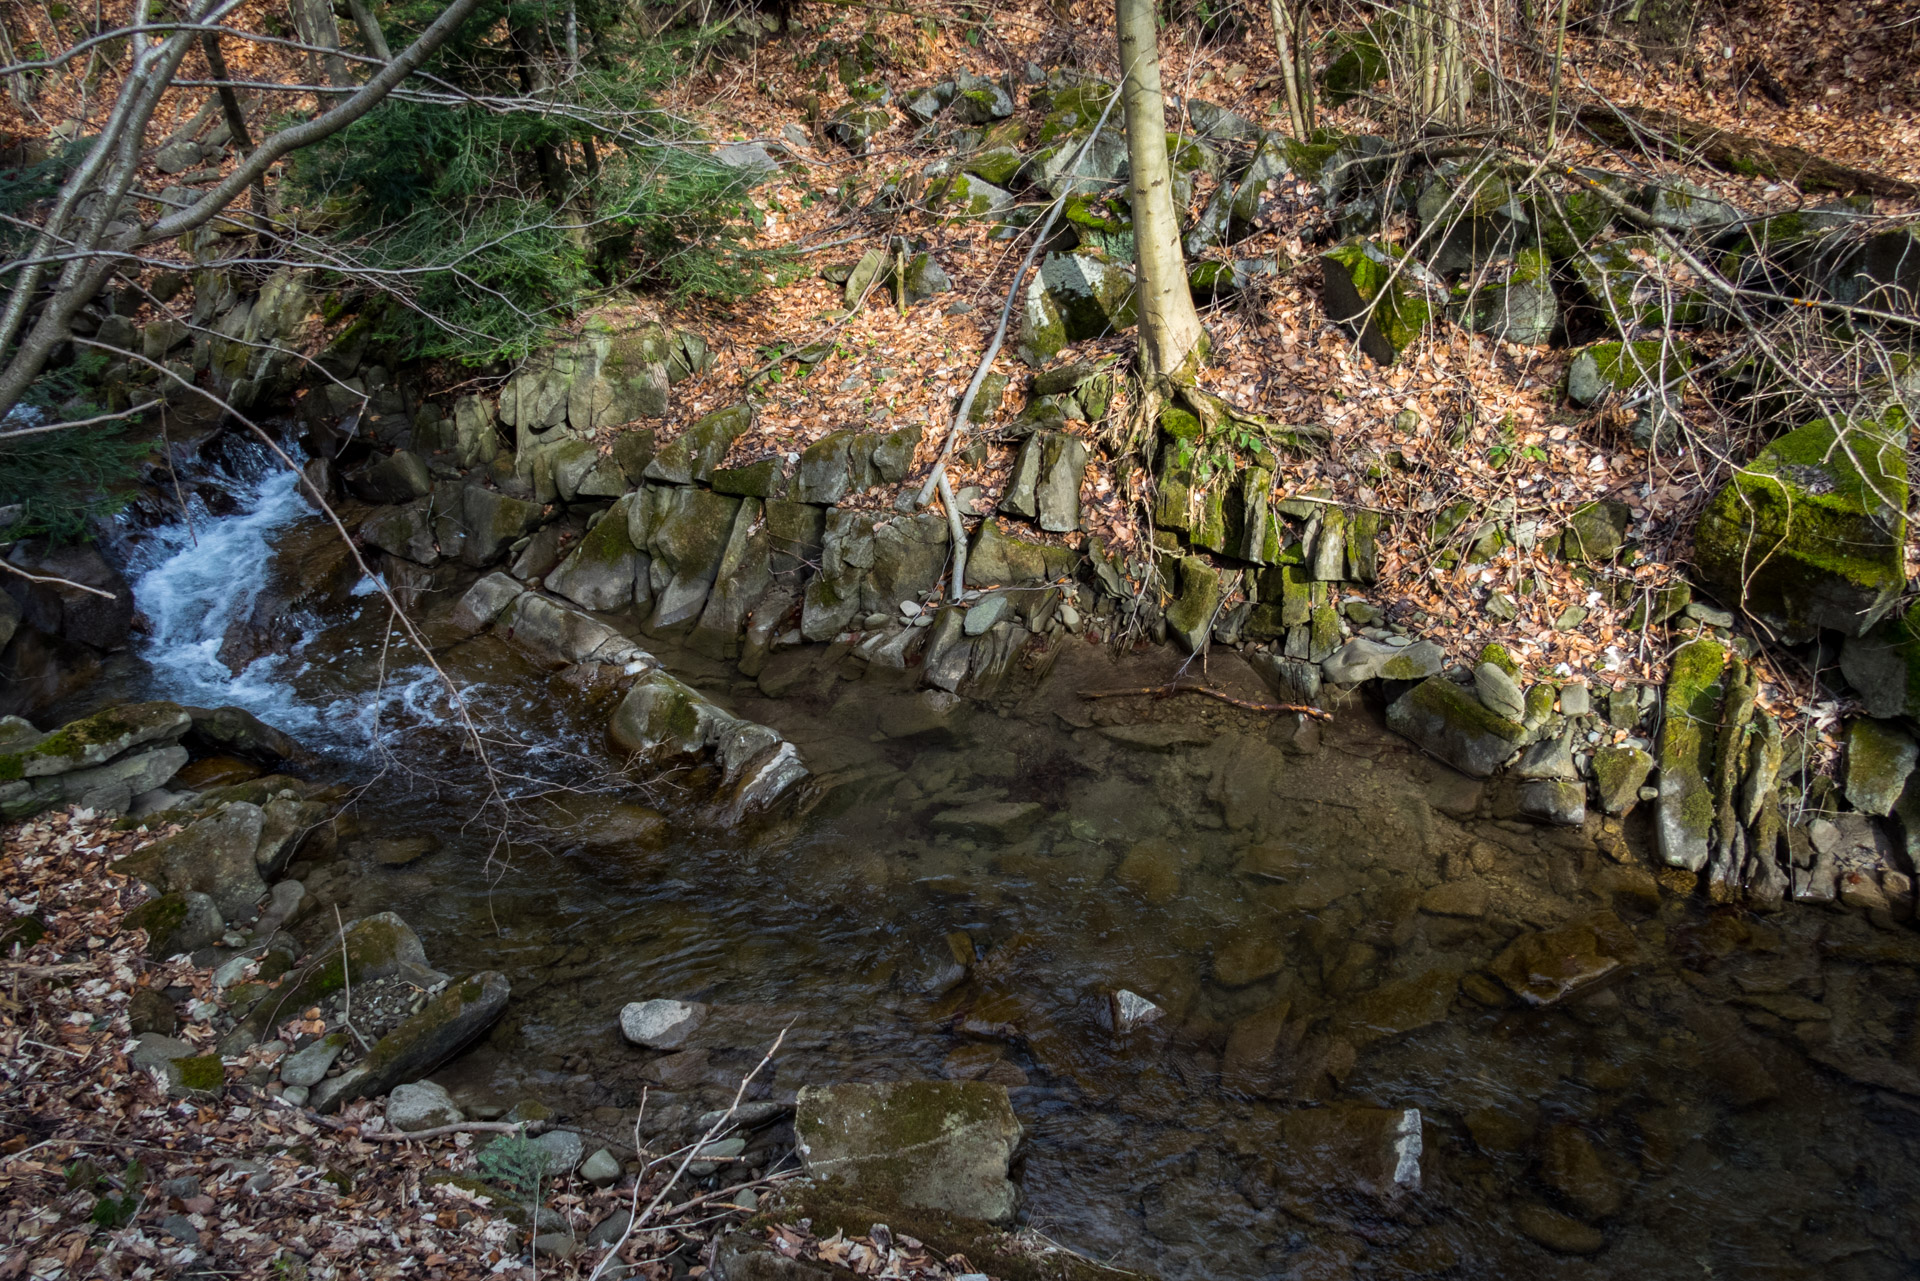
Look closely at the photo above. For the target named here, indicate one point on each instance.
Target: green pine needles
(498, 220)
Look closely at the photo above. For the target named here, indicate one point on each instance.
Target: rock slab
(935, 1145)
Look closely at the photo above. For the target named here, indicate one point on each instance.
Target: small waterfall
(192, 581)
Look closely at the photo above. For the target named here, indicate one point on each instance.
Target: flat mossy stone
(936, 1145)
(1880, 757)
(1449, 722)
(1689, 729)
(1811, 534)
(96, 739)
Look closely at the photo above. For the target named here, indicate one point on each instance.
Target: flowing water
(1314, 911)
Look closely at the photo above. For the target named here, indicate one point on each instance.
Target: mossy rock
(1605, 368)
(96, 739)
(1094, 298)
(966, 195)
(1517, 306)
(1075, 110)
(1628, 293)
(999, 560)
(1496, 653)
(1043, 332)
(201, 1077)
(1355, 64)
(1811, 533)
(1360, 287)
(1190, 616)
(1448, 721)
(936, 1145)
(997, 165)
(1596, 532)
(1618, 775)
(1689, 728)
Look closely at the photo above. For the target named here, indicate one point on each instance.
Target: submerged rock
(936, 1145)
(1549, 966)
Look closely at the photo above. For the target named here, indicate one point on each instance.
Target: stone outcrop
(936, 1145)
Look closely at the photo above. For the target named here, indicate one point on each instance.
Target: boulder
(1610, 368)
(1449, 722)
(448, 1022)
(688, 541)
(180, 922)
(214, 856)
(234, 731)
(1516, 305)
(1499, 692)
(854, 125)
(1688, 733)
(80, 617)
(1883, 666)
(1042, 330)
(1809, 535)
(485, 601)
(400, 477)
(1638, 284)
(923, 105)
(1361, 287)
(1880, 757)
(1190, 617)
(1092, 297)
(422, 1105)
(490, 521)
(744, 577)
(1001, 822)
(967, 195)
(999, 560)
(1618, 775)
(405, 531)
(692, 455)
(1674, 204)
(601, 571)
(980, 101)
(95, 740)
(1596, 531)
(934, 1145)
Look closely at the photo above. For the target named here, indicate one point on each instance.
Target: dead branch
(55, 581)
(1171, 688)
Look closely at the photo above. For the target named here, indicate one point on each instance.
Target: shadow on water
(1318, 915)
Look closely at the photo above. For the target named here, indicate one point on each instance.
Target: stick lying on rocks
(1162, 691)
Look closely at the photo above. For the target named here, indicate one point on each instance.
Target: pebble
(202, 1011)
(911, 608)
(747, 1200)
(720, 1152)
(1575, 700)
(564, 1149)
(600, 1169)
(181, 1229)
(555, 1245)
(296, 1095)
(983, 614)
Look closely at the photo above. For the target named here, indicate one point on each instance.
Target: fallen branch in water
(464, 1127)
(1162, 691)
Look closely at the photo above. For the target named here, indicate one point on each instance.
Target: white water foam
(191, 584)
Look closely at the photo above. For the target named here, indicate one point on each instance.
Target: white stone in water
(1131, 1010)
(661, 1024)
(1408, 1147)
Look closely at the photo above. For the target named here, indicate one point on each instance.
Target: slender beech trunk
(370, 29)
(1171, 340)
(236, 126)
(1296, 64)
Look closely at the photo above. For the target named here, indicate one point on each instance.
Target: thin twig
(56, 581)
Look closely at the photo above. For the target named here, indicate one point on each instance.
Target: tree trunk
(1296, 64)
(319, 27)
(1171, 340)
(370, 30)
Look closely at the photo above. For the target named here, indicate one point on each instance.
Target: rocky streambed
(1262, 993)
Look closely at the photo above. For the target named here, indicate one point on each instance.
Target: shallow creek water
(1313, 909)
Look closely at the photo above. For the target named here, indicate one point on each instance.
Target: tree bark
(320, 28)
(1296, 67)
(370, 29)
(237, 126)
(1172, 342)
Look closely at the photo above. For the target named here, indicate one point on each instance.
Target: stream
(1314, 910)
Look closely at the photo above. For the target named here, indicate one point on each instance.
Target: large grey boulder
(1363, 659)
(1094, 298)
(214, 856)
(1449, 722)
(935, 1145)
(601, 571)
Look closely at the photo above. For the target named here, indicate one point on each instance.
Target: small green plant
(113, 1209)
(516, 1163)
